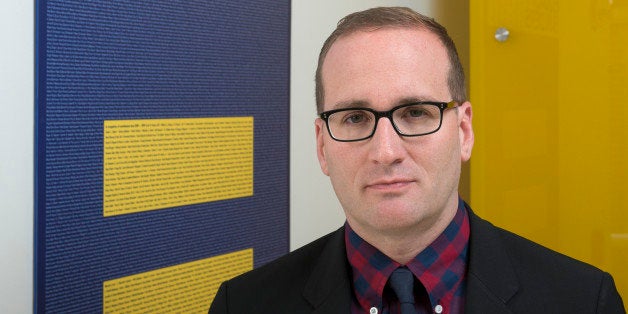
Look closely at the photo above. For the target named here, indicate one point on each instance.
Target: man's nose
(388, 147)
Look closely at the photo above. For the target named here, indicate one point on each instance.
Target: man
(394, 128)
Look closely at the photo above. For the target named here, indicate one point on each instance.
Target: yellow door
(550, 98)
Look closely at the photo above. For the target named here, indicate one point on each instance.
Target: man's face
(388, 183)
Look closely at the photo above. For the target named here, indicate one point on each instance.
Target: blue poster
(162, 147)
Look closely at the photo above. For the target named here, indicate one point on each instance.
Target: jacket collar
(491, 279)
(328, 289)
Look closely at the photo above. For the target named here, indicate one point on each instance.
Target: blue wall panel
(111, 60)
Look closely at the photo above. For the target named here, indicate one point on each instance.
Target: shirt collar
(441, 267)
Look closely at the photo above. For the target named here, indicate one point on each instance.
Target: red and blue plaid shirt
(440, 270)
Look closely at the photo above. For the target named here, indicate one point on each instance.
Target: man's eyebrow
(350, 104)
(366, 104)
(413, 99)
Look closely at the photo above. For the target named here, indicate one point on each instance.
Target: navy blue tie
(402, 282)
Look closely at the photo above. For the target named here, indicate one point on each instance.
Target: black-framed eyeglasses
(414, 119)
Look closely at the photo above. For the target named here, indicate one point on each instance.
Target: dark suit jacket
(506, 274)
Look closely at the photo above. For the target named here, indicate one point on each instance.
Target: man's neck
(404, 244)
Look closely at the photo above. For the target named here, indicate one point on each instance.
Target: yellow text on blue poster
(159, 163)
(184, 288)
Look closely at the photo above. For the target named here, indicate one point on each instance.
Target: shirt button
(373, 310)
(438, 309)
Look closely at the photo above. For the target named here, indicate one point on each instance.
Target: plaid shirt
(440, 268)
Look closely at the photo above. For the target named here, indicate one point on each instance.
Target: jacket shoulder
(530, 256)
(296, 264)
(277, 287)
(547, 280)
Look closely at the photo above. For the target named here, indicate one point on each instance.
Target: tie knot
(402, 282)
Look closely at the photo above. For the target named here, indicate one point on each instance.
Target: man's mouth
(390, 185)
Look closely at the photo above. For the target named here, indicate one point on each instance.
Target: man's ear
(320, 146)
(465, 130)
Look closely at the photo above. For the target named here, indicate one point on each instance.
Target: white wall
(16, 155)
(314, 208)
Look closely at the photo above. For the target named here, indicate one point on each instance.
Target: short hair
(381, 17)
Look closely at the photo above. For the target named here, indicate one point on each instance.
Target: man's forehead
(406, 64)
(392, 32)
(382, 42)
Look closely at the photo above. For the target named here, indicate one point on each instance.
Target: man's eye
(416, 112)
(355, 117)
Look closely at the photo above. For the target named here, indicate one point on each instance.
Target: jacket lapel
(328, 289)
(491, 280)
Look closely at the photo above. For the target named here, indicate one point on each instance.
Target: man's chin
(396, 222)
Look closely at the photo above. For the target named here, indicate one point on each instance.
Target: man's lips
(392, 184)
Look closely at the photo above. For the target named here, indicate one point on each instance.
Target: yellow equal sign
(160, 163)
(184, 288)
